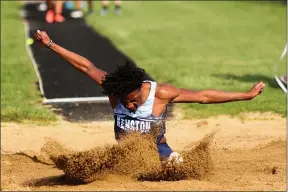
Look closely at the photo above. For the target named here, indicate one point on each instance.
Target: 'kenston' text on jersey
(133, 124)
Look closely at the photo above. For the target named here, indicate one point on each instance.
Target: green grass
(197, 45)
(203, 45)
(20, 98)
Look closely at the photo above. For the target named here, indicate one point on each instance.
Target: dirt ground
(248, 153)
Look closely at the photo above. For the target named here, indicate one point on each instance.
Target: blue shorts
(164, 150)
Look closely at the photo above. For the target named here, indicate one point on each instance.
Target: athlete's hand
(256, 90)
(42, 37)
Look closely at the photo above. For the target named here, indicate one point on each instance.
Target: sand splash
(135, 156)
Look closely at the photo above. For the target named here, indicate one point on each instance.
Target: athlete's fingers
(38, 37)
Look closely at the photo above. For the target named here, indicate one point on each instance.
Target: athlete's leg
(117, 7)
(49, 4)
(50, 12)
(104, 9)
(167, 154)
(58, 11)
(78, 13)
(90, 6)
(164, 150)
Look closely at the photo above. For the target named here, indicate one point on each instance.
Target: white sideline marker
(283, 87)
(76, 100)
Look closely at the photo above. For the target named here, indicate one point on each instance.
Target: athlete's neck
(145, 90)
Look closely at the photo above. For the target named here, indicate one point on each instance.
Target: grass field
(20, 98)
(197, 45)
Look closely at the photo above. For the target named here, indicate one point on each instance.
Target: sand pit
(241, 155)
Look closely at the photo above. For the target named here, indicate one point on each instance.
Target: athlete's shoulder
(166, 91)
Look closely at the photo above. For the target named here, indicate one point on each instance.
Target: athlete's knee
(168, 155)
(175, 157)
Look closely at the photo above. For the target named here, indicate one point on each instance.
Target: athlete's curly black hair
(124, 80)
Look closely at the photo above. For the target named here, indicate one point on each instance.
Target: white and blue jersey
(142, 120)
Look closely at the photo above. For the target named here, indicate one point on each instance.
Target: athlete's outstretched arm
(79, 62)
(173, 94)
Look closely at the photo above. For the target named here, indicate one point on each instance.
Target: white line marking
(76, 100)
(276, 69)
(32, 58)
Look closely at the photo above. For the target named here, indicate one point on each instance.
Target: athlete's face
(132, 101)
